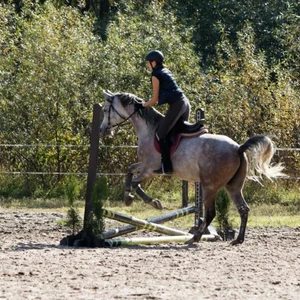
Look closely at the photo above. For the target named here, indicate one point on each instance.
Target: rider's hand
(138, 106)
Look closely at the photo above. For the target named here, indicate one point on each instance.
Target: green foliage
(284, 194)
(237, 60)
(72, 189)
(222, 211)
(73, 219)
(47, 89)
(244, 101)
(131, 36)
(15, 187)
(268, 19)
(72, 192)
(95, 222)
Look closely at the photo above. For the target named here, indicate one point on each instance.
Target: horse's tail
(260, 151)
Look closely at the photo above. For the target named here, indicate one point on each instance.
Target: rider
(166, 91)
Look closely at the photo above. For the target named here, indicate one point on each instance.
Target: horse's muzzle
(106, 131)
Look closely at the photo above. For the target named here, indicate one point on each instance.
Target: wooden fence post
(93, 161)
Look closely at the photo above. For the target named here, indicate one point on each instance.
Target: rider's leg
(166, 163)
(178, 109)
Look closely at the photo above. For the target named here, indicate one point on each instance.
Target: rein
(124, 118)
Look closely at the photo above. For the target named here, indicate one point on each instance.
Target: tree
(48, 87)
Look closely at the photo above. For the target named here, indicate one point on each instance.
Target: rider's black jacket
(168, 88)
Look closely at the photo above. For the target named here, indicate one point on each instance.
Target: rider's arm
(155, 87)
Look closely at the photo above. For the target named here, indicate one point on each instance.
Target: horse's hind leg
(210, 212)
(234, 189)
(243, 209)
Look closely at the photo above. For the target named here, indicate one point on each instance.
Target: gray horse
(214, 160)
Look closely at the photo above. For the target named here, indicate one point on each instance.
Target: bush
(270, 193)
(222, 211)
(48, 89)
(95, 222)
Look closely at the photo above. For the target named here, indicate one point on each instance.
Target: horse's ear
(107, 94)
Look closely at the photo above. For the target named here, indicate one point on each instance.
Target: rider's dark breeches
(180, 109)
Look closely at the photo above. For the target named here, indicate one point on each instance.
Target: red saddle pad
(173, 147)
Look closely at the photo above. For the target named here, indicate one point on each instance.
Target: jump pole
(145, 241)
(174, 235)
(158, 220)
(154, 240)
(143, 224)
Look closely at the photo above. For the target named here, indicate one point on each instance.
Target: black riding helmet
(155, 55)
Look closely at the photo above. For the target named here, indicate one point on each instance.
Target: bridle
(111, 108)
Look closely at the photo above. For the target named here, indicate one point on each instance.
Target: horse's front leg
(153, 202)
(140, 176)
(133, 169)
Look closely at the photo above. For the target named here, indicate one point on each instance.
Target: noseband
(111, 108)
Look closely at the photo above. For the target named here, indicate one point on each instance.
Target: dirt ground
(35, 266)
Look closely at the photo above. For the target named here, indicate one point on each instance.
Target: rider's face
(148, 64)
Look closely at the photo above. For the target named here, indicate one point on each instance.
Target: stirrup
(162, 171)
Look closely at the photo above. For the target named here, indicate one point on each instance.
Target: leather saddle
(182, 130)
(188, 129)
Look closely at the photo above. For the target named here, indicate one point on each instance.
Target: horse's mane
(149, 114)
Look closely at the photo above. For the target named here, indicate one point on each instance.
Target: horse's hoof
(195, 239)
(156, 204)
(194, 230)
(190, 241)
(128, 199)
(236, 242)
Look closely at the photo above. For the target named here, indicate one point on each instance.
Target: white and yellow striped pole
(142, 224)
(154, 240)
(157, 220)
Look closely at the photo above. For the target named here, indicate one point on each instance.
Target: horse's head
(118, 108)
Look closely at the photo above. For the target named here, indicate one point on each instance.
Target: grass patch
(268, 215)
(34, 203)
(269, 206)
(263, 215)
(274, 221)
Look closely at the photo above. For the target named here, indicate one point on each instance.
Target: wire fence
(87, 147)
(102, 146)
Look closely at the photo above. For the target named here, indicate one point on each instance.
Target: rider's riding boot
(166, 163)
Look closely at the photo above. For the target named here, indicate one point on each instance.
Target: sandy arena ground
(35, 266)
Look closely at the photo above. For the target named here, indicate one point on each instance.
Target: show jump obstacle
(111, 238)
